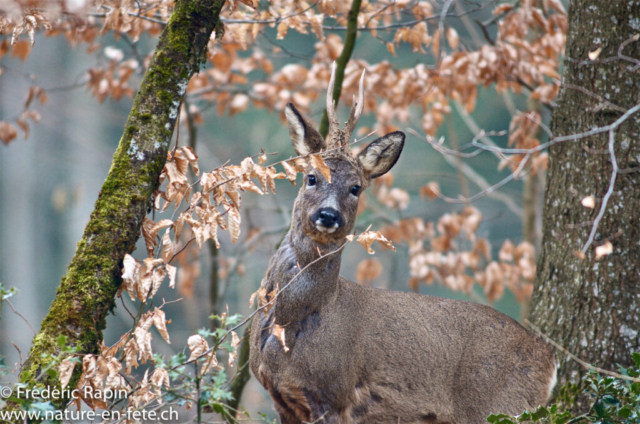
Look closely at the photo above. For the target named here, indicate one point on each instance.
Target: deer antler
(356, 110)
(334, 125)
(336, 137)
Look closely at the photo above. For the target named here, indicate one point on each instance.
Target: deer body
(354, 354)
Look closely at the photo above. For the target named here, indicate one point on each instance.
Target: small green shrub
(614, 399)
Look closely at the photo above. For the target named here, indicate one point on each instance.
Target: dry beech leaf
(368, 270)
(167, 247)
(506, 252)
(235, 341)
(278, 331)
(160, 377)
(234, 223)
(431, 190)
(160, 322)
(392, 49)
(171, 272)
(452, 38)
(197, 345)
(367, 238)
(589, 202)
(594, 54)
(290, 171)
(318, 163)
(21, 50)
(192, 158)
(579, 254)
(149, 234)
(65, 371)
(7, 132)
(130, 275)
(283, 28)
(603, 250)
(435, 46)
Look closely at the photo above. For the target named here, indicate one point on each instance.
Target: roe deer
(356, 354)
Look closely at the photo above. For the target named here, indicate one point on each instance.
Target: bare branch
(605, 199)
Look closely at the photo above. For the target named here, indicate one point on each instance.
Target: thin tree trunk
(591, 306)
(87, 293)
(343, 59)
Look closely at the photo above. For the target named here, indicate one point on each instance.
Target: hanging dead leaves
(524, 55)
(452, 254)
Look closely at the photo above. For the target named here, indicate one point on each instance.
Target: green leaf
(625, 411)
(62, 341)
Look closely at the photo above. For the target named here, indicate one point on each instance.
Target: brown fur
(362, 355)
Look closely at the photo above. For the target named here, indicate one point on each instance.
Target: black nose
(328, 217)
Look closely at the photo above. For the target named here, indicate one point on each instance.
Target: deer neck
(310, 277)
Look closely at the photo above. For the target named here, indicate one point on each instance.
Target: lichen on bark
(591, 306)
(87, 293)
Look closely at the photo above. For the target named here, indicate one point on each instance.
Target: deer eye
(312, 180)
(355, 190)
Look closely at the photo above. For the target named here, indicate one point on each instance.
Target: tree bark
(87, 293)
(591, 306)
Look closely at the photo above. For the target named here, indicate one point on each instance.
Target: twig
(270, 302)
(578, 360)
(605, 199)
(20, 315)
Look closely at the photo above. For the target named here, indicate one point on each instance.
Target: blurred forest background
(49, 182)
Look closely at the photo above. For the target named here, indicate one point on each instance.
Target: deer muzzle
(327, 220)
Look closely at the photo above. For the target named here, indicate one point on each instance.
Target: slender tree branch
(349, 44)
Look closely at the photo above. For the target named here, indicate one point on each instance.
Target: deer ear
(304, 137)
(380, 156)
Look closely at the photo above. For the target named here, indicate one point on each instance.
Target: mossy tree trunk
(87, 293)
(592, 306)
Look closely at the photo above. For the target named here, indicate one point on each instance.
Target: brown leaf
(506, 252)
(316, 25)
(603, 250)
(367, 238)
(234, 223)
(368, 270)
(171, 272)
(279, 332)
(192, 158)
(198, 346)
(7, 132)
(435, 47)
(167, 247)
(283, 28)
(290, 171)
(149, 234)
(589, 202)
(160, 322)
(452, 38)
(130, 275)
(318, 163)
(593, 55)
(235, 342)
(391, 48)
(494, 283)
(431, 190)
(482, 246)
(21, 50)
(65, 371)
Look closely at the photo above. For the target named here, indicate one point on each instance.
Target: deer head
(327, 210)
